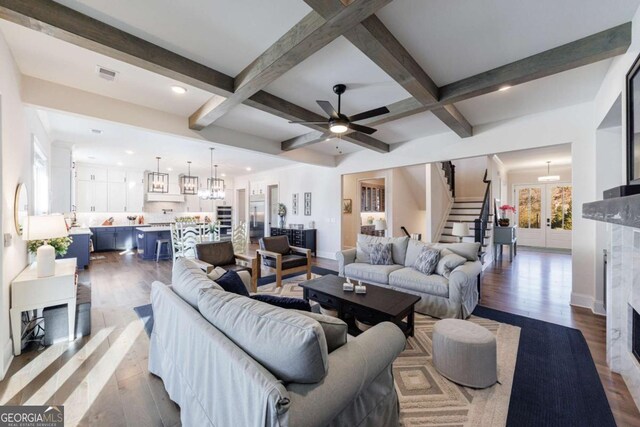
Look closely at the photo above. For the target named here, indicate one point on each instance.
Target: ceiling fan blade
(303, 122)
(368, 114)
(328, 108)
(363, 129)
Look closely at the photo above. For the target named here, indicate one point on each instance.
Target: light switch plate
(7, 239)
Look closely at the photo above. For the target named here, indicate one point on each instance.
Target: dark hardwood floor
(103, 380)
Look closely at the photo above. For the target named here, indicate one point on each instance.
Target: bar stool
(159, 244)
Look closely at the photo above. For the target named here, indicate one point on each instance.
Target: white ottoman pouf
(465, 353)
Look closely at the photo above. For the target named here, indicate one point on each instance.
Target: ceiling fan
(340, 123)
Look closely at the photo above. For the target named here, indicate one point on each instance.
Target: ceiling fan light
(338, 126)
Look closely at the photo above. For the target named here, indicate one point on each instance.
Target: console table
(305, 238)
(505, 236)
(30, 292)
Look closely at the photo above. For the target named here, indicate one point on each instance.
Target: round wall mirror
(21, 208)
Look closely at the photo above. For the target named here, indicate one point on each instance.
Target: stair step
(464, 237)
(472, 211)
(468, 201)
(474, 214)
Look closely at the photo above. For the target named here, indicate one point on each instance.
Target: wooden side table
(30, 292)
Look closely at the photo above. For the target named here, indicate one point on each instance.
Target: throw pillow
(216, 273)
(427, 260)
(381, 254)
(231, 282)
(335, 330)
(449, 261)
(283, 302)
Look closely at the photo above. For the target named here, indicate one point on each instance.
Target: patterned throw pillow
(381, 254)
(427, 260)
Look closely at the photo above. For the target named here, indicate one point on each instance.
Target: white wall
(438, 202)
(326, 199)
(469, 174)
(16, 156)
(530, 176)
(408, 200)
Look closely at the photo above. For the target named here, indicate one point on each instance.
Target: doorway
(544, 214)
(274, 200)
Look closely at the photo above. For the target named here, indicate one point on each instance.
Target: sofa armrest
(352, 368)
(345, 257)
(462, 280)
(204, 266)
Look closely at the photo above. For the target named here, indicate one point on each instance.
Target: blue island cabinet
(147, 238)
(79, 248)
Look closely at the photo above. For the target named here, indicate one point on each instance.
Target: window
(40, 180)
(529, 207)
(561, 208)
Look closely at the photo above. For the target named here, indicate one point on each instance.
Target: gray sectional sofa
(454, 296)
(229, 360)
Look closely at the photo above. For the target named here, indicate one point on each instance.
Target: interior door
(559, 221)
(529, 212)
(273, 206)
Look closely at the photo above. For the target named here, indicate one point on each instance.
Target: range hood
(165, 197)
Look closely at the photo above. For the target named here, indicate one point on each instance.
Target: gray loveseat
(229, 360)
(454, 296)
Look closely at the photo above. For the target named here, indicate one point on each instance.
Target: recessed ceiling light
(248, 169)
(179, 90)
(169, 169)
(328, 139)
(223, 174)
(503, 88)
(119, 163)
(96, 131)
(128, 151)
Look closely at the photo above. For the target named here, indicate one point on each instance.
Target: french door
(544, 215)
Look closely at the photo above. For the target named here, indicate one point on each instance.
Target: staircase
(466, 211)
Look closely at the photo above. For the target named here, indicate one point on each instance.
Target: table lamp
(45, 227)
(380, 224)
(460, 229)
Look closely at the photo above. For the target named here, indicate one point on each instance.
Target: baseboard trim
(7, 358)
(598, 308)
(582, 300)
(324, 254)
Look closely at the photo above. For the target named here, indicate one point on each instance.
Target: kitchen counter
(151, 229)
(76, 231)
(118, 225)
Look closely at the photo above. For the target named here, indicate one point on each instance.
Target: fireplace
(635, 334)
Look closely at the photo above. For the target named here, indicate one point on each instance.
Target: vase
(282, 222)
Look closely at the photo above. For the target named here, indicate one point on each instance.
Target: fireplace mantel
(619, 210)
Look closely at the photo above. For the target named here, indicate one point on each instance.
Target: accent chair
(221, 254)
(276, 253)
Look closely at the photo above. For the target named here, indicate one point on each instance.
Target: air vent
(106, 73)
(96, 131)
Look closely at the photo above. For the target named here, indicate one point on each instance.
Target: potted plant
(60, 245)
(503, 221)
(282, 213)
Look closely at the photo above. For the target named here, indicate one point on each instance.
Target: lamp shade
(44, 227)
(460, 229)
(380, 224)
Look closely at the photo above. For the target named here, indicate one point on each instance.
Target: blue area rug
(555, 380)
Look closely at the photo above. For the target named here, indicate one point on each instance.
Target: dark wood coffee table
(377, 305)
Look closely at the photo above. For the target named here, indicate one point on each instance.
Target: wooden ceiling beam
(66, 24)
(375, 40)
(308, 36)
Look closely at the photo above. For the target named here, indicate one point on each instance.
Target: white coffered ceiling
(450, 39)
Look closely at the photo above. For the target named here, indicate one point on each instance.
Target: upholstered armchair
(221, 254)
(277, 254)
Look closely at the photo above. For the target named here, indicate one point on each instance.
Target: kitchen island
(80, 246)
(147, 237)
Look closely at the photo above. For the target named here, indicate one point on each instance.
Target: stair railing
(483, 219)
(450, 173)
(404, 230)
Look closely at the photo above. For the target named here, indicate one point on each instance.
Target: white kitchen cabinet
(135, 191)
(117, 175)
(100, 197)
(91, 173)
(117, 198)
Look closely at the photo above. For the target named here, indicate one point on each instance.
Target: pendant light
(548, 177)
(158, 182)
(215, 185)
(188, 183)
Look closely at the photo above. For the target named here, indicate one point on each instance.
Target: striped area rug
(426, 397)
